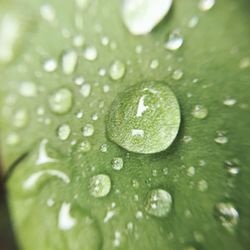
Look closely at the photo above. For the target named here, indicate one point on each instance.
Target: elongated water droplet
(158, 203)
(63, 132)
(227, 215)
(117, 70)
(12, 31)
(85, 89)
(221, 138)
(145, 118)
(141, 16)
(47, 12)
(174, 41)
(229, 101)
(100, 185)
(199, 112)
(43, 157)
(65, 221)
(232, 167)
(69, 61)
(61, 101)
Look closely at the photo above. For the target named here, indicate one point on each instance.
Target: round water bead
(61, 101)
(145, 118)
(99, 185)
(158, 203)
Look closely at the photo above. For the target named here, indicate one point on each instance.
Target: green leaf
(58, 147)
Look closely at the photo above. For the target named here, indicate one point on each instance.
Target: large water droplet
(158, 203)
(227, 214)
(117, 70)
(141, 16)
(145, 118)
(99, 185)
(61, 101)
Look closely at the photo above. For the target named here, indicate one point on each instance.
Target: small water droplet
(100, 185)
(20, 118)
(229, 101)
(79, 80)
(88, 130)
(28, 89)
(205, 5)
(63, 132)
(199, 112)
(174, 41)
(140, 17)
(158, 203)
(78, 41)
(90, 53)
(165, 171)
(139, 215)
(227, 215)
(193, 22)
(154, 64)
(232, 167)
(50, 65)
(202, 185)
(117, 163)
(85, 89)
(145, 118)
(13, 139)
(177, 74)
(117, 70)
(221, 138)
(69, 61)
(47, 12)
(61, 101)
(191, 171)
(84, 146)
(187, 139)
(104, 148)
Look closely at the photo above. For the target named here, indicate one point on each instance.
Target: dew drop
(193, 22)
(88, 130)
(85, 89)
(232, 167)
(199, 112)
(99, 185)
(145, 118)
(117, 163)
(174, 41)
(78, 41)
(229, 101)
(221, 138)
(12, 29)
(47, 12)
(43, 157)
(69, 61)
(50, 65)
(117, 70)
(84, 146)
(61, 101)
(227, 215)
(28, 89)
(20, 118)
(158, 203)
(205, 5)
(202, 185)
(63, 132)
(13, 139)
(90, 53)
(177, 74)
(154, 64)
(65, 220)
(141, 16)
